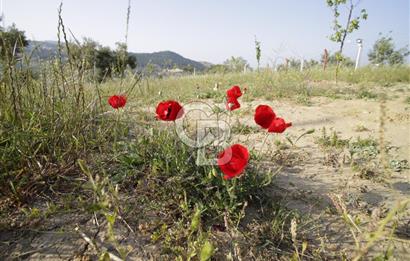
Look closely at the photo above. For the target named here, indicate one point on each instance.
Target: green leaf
(104, 257)
(310, 131)
(289, 140)
(304, 246)
(110, 218)
(206, 251)
(196, 219)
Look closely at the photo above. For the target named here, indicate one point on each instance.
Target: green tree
(121, 58)
(12, 43)
(105, 60)
(132, 61)
(218, 68)
(113, 63)
(258, 51)
(294, 63)
(311, 63)
(236, 64)
(150, 68)
(383, 52)
(84, 54)
(188, 68)
(337, 60)
(352, 23)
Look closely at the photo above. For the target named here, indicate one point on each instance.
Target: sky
(212, 30)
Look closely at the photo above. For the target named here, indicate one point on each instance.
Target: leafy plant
(258, 51)
(399, 165)
(352, 23)
(12, 43)
(233, 64)
(383, 52)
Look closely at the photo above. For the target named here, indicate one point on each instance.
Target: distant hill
(46, 50)
(42, 50)
(166, 59)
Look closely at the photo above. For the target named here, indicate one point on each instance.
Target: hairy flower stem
(117, 121)
(231, 189)
(263, 144)
(260, 151)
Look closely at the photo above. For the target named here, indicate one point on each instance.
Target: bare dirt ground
(305, 185)
(308, 183)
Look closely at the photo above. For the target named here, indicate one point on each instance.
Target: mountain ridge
(161, 59)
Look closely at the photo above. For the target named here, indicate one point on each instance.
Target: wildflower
(233, 160)
(278, 125)
(117, 101)
(169, 110)
(264, 116)
(232, 98)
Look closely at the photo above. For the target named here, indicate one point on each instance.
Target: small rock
(364, 189)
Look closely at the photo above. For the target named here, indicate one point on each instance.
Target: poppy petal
(232, 104)
(233, 160)
(232, 98)
(234, 92)
(117, 101)
(279, 125)
(169, 110)
(264, 115)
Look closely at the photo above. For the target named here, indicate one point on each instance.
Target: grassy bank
(64, 150)
(294, 85)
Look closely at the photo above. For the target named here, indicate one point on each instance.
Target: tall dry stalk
(382, 126)
(325, 59)
(127, 22)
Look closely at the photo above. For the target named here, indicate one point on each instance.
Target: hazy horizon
(212, 31)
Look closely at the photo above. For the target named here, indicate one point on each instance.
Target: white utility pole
(302, 64)
(359, 52)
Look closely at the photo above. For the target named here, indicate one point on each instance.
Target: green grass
(363, 155)
(58, 136)
(55, 133)
(273, 85)
(162, 172)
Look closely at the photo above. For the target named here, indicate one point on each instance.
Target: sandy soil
(305, 185)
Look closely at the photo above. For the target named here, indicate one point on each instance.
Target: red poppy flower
(264, 116)
(279, 125)
(169, 110)
(232, 104)
(232, 98)
(117, 101)
(234, 92)
(233, 160)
